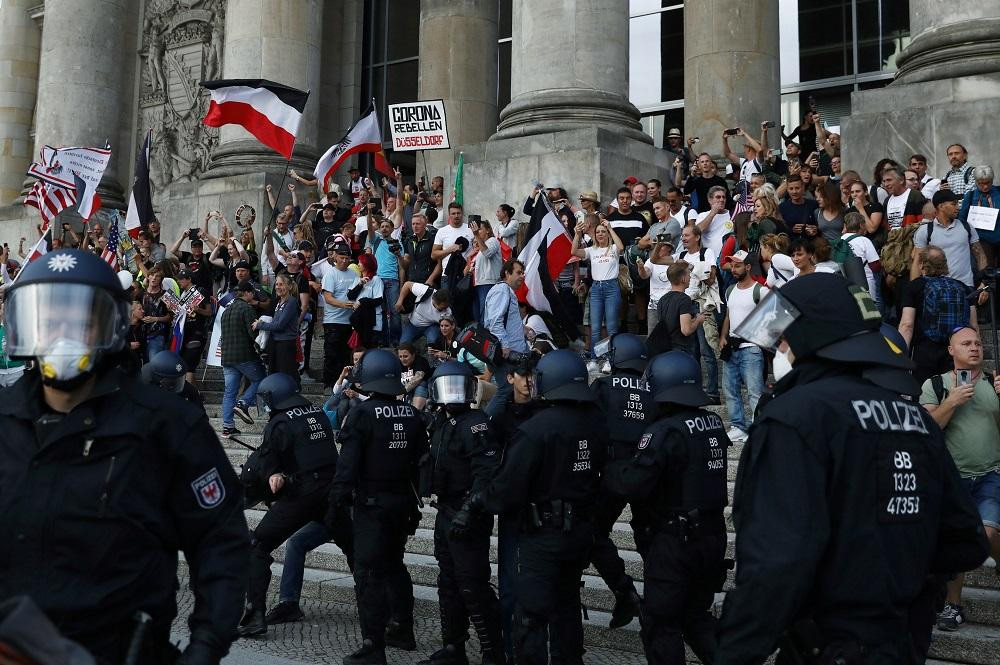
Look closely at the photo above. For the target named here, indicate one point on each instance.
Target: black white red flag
(268, 110)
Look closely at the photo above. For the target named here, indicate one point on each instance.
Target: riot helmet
(379, 372)
(278, 391)
(674, 377)
(165, 370)
(562, 375)
(628, 352)
(453, 383)
(68, 312)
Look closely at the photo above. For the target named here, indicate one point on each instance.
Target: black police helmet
(166, 370)
(675, 378)
(379, 372)
(278, 391)
(453, 382)
(562, 375)
(628, 352)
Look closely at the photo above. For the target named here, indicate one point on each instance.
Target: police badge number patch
(644, 441)
(209, 490)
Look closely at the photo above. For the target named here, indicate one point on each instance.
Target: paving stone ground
(330, 631)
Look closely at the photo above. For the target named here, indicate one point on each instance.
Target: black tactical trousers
(382, 582)
(604, 555)
(464, 590)
(681, 578)
(307, 503)
(551, 563)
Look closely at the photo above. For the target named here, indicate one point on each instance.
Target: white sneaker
(606, 367)
(592, 366)
(736, 435)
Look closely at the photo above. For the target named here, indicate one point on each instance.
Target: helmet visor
(768, 321)
(41, 319)
(602, 348)
(453, 389)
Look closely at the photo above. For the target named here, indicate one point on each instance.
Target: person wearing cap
(262, 301)
(337, 308)
(950, 231)
(743, 360)
(557, 197)
(678, 474)
(654, 269)
(355, 183)
(551, 475)
(196, 260)
(846, 498)
(114, 479)
(239, 358)
(682, 156)
(195, 324)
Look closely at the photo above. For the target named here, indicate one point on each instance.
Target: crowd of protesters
(682, 257)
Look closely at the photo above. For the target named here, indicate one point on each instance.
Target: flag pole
(47, 232)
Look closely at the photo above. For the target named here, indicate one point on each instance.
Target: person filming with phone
(965, 403)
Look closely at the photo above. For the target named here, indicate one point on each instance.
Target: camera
(193, 234)
(731, 132)
(664, 238)
(394, 246)
(475, 219)
(770, 124)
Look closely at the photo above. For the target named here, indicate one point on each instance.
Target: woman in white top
(507, 229)
(485, 262)
(605, 296)
(655, 270)
(774, 257)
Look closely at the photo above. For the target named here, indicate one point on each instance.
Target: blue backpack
(946, 307)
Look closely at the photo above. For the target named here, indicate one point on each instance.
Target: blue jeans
(745, 367)
(302, 542)
(504, 390)
(710, 363)
(985, 492)
(605, 304)
(254, 371)
(390, 290)
(412, 332)
(479, 305)
(154, 345)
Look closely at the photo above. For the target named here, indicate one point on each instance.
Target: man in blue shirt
(337, 308)
(503, 319)
(388, 250)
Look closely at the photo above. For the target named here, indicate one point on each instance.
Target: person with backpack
(861, 264)
(932, 307)
(955, 236)
(775, 260)
(965, 403)
(704, 291)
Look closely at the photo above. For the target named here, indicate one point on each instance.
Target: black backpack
(937, 384)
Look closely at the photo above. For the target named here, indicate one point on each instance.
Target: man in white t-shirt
(430, 307)
(449, 241)
(895, 206)
(864, 250)
(715, 222)
(743, 361)
(749, 164)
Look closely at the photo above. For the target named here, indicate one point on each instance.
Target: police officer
(381, 444)
(552, 475)
(846, 497)
(464, 455)
(106, 479)
(297, 459)
(168, 370)
(628, 408)
(678, 472)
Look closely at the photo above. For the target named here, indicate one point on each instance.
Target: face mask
(781, 365)
(66, 360)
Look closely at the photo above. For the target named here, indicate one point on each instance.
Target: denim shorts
(985, 491)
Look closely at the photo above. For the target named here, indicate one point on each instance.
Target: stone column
(79, 82)
(458, 63)
(569, 69)
(731, 70)
(280, 41)
(20, 41)
(962, 41)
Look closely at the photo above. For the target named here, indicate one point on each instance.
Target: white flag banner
(70, 167)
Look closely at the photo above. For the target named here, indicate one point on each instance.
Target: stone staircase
(327, 577)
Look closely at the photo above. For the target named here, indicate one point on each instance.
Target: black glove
(460, 522)
(199, 653)
(335, 510)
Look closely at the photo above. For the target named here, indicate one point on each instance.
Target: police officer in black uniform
(552, 475)
(106, 479)
(629, 409)
(846, 497)
(464, 455)
(167, 370)
(678, 472)
(381, 444)
(297, 459)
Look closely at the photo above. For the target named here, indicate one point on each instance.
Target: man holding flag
(364, 136)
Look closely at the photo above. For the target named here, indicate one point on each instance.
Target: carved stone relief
(182, 44)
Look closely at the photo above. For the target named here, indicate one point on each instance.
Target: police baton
(242, 443)
(142, 621)
(420, 502)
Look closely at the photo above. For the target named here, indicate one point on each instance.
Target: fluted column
(20, 43)
(731, 67)
(280, 41)
(964, 40)
(569, 69)
(79, 82)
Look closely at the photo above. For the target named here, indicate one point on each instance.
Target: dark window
(503, 78)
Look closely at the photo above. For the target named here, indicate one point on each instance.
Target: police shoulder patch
(208, 489)
(644, 441)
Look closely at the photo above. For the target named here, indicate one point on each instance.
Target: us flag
(110, 254)
(743, 200)
(50, 200)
